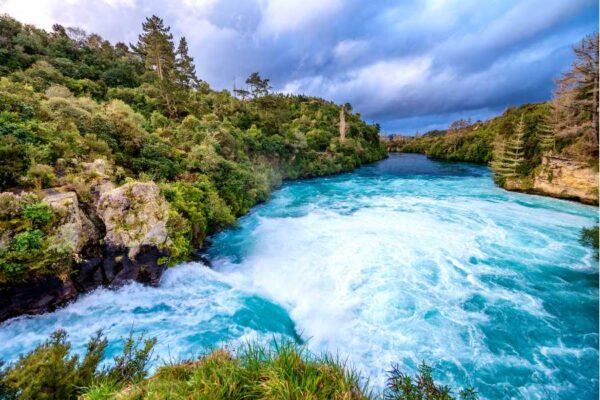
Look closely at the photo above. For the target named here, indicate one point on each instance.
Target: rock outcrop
(127, 242)
(74, 232)
(568, 179)
(74, 229)
(561, 178)
(135, 217)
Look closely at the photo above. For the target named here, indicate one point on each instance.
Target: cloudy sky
(408, 65)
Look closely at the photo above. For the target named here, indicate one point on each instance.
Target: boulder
(134, 215)
(132, 220)
(74, 229)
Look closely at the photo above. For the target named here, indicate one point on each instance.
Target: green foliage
(26, 242)
(199, 203)
(590, 238)
(52, 372)
(38, 214)
(132, 364)
(25, 224)
(68, 98)
(486, 142)
(283, 370)
(401, 386)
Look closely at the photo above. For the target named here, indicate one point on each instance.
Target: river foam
(402, 261)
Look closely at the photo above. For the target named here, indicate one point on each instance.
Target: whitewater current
(400, 261)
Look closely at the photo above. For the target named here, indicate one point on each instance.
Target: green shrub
(26, 242)
(590, 237)
(52, 372)
(39, 214)
(401, 386)
(283, 370)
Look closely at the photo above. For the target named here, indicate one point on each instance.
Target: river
(400, 261)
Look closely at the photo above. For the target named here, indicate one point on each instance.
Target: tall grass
(281, 370)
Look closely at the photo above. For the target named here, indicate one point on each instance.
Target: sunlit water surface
(401, 261)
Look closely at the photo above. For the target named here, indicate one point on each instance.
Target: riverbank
(557, 177)
(422, 260)
(123, 234)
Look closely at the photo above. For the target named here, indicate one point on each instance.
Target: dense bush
(28, 252)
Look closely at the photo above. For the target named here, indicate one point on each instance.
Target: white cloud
(40, 14)
(281, 16)
(45, 13)
(347, 51)
(371, 87)
(201, 7)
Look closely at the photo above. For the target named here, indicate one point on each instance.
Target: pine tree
(546, 135)
(155, 46)
(500, 166)
(512, 154)
(184, 66)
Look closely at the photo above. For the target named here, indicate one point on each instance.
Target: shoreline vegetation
(282, 370)
(545, 148)
(117, 161)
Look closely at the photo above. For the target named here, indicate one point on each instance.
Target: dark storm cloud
(409, 65)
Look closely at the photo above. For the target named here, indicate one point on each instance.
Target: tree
(511, 155)
(576, 100)
(546, 135)
(155, 46)
(459, 124)
(258, 86)
(184, 66)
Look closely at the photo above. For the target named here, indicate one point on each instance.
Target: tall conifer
(184, 66)
(511, 153)
(155, 46)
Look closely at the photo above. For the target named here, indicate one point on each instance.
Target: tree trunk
(158, 63)
(595, 109)
(342, 125)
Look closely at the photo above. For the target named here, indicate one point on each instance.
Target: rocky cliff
(562, 178)
(127, 241)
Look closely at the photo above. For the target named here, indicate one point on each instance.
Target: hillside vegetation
(563, 130)
(81, 117)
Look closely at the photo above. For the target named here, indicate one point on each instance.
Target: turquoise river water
(400, 261)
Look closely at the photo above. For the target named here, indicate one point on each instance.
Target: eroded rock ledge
(562, 178)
